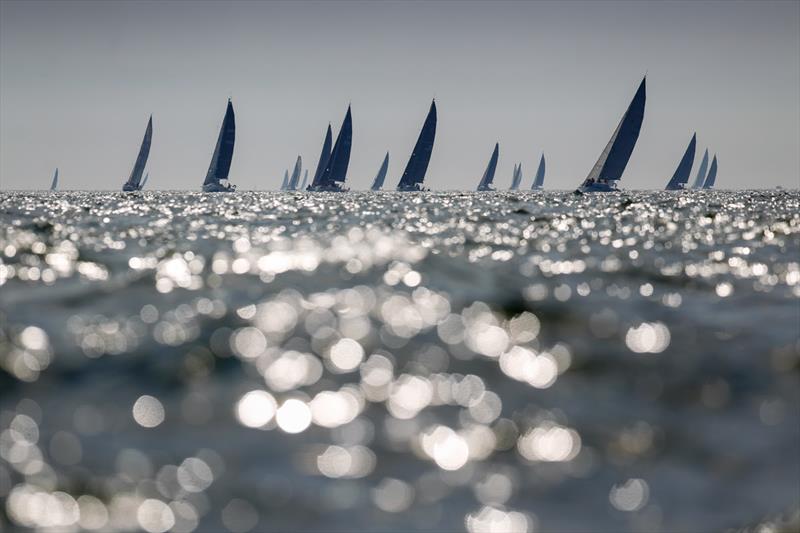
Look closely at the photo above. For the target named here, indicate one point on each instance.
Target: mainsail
(223, 152)
(323, 157)
(516, 178)
(614, 158)
(377, 183)
(538, 181)
(417, 165)
(712, 174)
(134, 181)
(305, 181)
(681, 175)
(54, 184)
(285, 182)
(701, 174)
(295, 179)
(488, 176)
(336, 169)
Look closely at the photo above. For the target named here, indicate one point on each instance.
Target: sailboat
(295, 179)
(538, 180)
(54, 184)
(701, 174)
(681, 175)
(305, 181)
(285, 182)
(134, 181)
(488, 176)
(516, 177)
(417, 166)
(612, 162)
(144, 181)
(712, 174)
(217, 176)
(333, 176)
(380, 177)
(324, 155)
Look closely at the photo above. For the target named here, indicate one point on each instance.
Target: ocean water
(507, 361)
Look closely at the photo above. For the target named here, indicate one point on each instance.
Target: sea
(443, 361)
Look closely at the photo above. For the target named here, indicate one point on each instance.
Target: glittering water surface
(493, 362)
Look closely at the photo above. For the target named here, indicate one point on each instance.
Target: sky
(78, 81)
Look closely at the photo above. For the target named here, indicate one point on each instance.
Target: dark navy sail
(54, 183)
(294, 181)
(488, 176)
(377, 183)
(681, 176)
(614, 158)
(701, 174)
(134, 181)
(323, 157)
(217, 176)
(538, 181)
(335, 173)
(712, 175)
(417, 166)
(516, 178)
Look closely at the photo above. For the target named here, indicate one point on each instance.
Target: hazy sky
(78, 81)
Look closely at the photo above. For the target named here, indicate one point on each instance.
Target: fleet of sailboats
(334, 159)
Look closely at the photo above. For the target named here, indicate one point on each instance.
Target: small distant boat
(334, 175)
(54, 183)
(488, 176)
(144, 181)
(305, 181)
(295, 179)
(612, 162)
(701, 173)
(380, 177)
(712, 174)
(516, 177)
(134, 181)
(538, 180)
(217, 177)
(681, 175)
(417, 166)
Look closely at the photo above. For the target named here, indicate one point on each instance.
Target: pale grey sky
(78, 81)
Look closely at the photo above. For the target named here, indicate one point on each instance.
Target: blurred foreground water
(442, 361)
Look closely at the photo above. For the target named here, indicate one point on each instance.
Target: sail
(223, 152)
(681, 175)
(380, 177)
(144, 181)
(615, 156)
(516, 178)
(701, 174)
(305, 181)
(336, 168)
(488, 176)
(538, 181)
(295, 179)
(141, 159)
(712, 174)
(417, 165)
(285, 182)
(54, 184)
(323, 157)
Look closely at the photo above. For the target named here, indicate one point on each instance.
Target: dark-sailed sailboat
(712, 174)
(380, 177)
(516, 177)
(417, 166)
(135, 179)
(701, 174)
(54, 183)
(488, 176)
(217, 176)
(305, 181)
(334, 172)
(681, 175)
(294, 181)
(324, 155)
(612, 162)
(538, 180)
(285, 182)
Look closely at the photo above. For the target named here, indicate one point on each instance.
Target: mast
(614, 158)
(681, 175)
(380, 177)
(701, 174)
(223, 152)
(712, 174)
(336, 169)
(488, 176)
(141, 159)
(538, 181)
(417, 166)
(323, 157)
(295, 179)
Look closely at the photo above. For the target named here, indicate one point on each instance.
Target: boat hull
(218, 187)
(415, 187)
(333, 187)
(598, 186)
